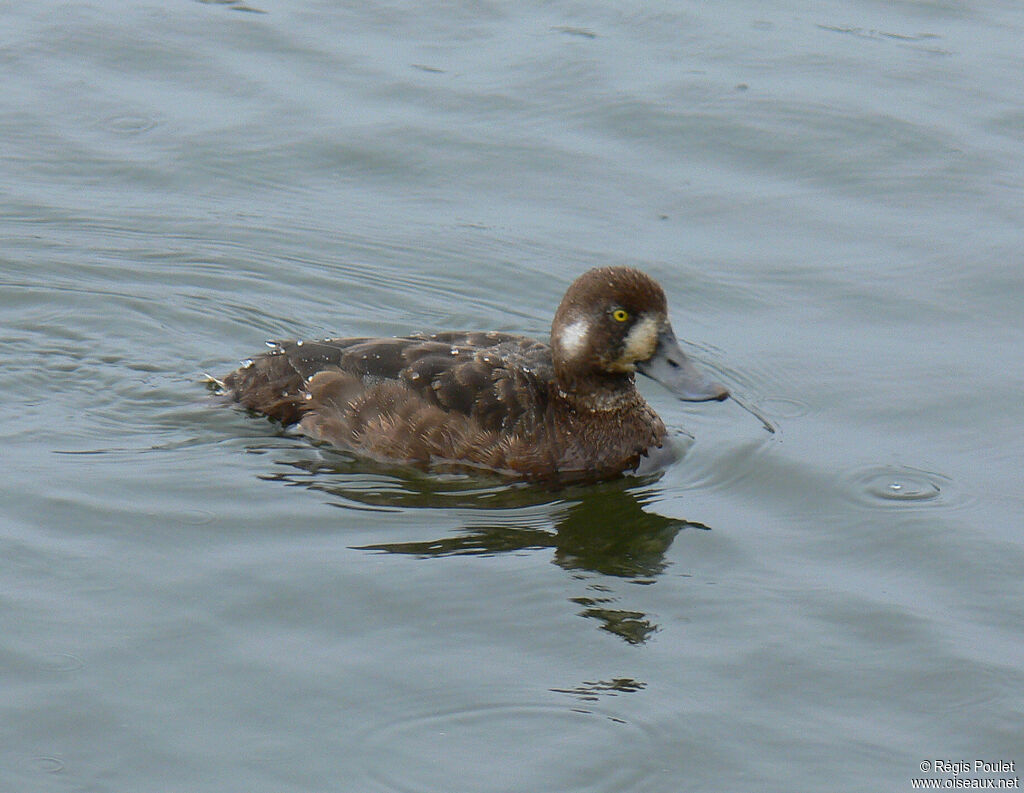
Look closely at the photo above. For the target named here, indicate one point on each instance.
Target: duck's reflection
(598, 529)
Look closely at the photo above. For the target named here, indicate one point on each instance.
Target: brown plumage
(506, 403)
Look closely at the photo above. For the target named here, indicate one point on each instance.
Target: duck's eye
(620, 315)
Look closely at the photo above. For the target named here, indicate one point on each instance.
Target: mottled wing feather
(497, 380)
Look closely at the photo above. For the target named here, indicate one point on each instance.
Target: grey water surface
(831, 193)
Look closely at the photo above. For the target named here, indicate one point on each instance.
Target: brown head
(613, 322)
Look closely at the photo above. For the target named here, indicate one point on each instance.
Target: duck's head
(612, 322)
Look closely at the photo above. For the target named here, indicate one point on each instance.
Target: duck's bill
(673, 369)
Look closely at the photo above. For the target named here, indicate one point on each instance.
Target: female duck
(567, 411)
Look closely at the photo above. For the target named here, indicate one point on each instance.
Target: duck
(567, 410)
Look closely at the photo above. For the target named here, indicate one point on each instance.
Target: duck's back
(477, 398)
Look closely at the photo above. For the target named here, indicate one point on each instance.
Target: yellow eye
(620, 315)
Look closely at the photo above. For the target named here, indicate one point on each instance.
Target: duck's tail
(213, 384)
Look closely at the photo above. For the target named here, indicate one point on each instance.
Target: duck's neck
(599, 393)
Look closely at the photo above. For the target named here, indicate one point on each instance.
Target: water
(831, 196)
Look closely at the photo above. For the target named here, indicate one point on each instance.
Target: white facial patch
(573, 338)
(640, 341)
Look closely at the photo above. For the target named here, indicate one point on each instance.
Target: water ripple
(784, 407)
(128, 124)
(61, 662)
(538, 747)
(722, 468)
(889, 486)
(47, 765)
